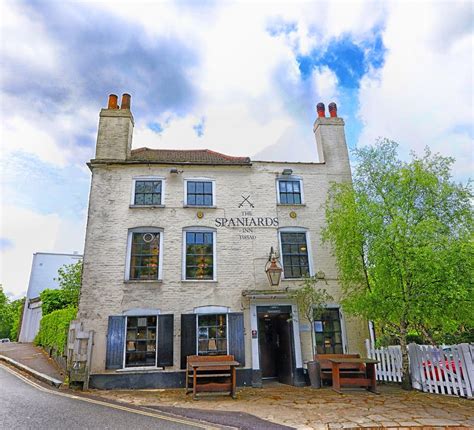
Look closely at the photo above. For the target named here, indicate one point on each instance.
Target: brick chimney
(114, 137)
(331, 140)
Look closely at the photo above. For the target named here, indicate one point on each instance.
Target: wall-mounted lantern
(273, 269)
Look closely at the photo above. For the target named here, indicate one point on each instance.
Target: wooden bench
(210, 373)
(349, 370)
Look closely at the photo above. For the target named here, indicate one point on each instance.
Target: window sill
(144, 281)
(143, 369)
(145, 206)
(199, 207)
(296, 205)
(199, 281)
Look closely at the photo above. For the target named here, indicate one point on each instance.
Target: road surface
(26, 405)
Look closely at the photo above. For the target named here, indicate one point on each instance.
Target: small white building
(44, 272)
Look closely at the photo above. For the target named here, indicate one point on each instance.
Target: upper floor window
(294, 251)
(148, 191)
(199, 192)
(144, 254)
(199, 258)
(290, 191)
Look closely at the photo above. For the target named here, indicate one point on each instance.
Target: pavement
(278, 406)
(33, 357)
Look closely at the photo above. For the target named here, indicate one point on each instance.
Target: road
(26, 405)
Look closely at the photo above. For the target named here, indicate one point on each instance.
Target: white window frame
(129, 253)
(139, 313)
(214, 252)
(212, 310)
(289, 178)
(308, 246)
(148, 178)
(213, 183)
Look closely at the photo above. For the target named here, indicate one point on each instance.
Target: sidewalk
(33, 357)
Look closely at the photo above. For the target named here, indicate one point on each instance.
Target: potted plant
(310, 301)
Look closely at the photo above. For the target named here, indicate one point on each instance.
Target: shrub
(52, 300)
(54, 328)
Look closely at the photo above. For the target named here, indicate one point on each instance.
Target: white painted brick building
(176, 248)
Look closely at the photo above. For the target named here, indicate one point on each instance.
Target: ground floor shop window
(141, 341)
(328, 333)
(212, 334)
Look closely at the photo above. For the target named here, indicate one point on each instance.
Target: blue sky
(241, 78)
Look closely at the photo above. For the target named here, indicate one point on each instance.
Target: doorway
(275, 342)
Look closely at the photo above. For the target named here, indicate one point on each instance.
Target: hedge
(54, 328)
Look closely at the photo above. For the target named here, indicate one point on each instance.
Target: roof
(188, 156)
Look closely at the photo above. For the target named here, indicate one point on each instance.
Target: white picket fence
(433, 370)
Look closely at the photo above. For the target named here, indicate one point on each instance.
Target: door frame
(254, 326)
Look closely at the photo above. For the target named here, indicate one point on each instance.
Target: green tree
(16, 308)
(69, 278)
(402, 237)
(6, 320)
(311, 302)
(52, 300)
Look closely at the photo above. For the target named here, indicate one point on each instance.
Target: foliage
(5, 315)
(402, 237)
(10, 316)
(69, 278)
(52, 300)
(54, 329)
(17, 315)
(310, 301)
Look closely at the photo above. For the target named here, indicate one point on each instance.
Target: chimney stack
(331, 141)
(114, 137)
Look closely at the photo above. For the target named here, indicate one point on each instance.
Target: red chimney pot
(333, 110)
(112, 102)
(321, 110)
(125, 101)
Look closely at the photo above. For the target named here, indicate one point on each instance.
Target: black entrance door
(275, 340)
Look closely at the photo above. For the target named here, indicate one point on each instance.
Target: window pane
(295, 254)
(147, 192)
(191, 187)
(207, 200)
(199, 200)
(212, 334)
(208, 187)
(141, 341)
(144, 259)
(199, 187)
(191, 199)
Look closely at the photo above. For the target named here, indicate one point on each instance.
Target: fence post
(467, 365)
(414, 366)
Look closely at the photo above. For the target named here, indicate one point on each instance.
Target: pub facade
(180, 252)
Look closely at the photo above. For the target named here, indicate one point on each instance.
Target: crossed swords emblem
(246, 200)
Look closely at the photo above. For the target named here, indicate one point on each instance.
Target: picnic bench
(347, 369)
(211, 374)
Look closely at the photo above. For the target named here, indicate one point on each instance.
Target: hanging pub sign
(246, 221)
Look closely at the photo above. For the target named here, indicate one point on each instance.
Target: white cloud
(423, 94)
(32, 232)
